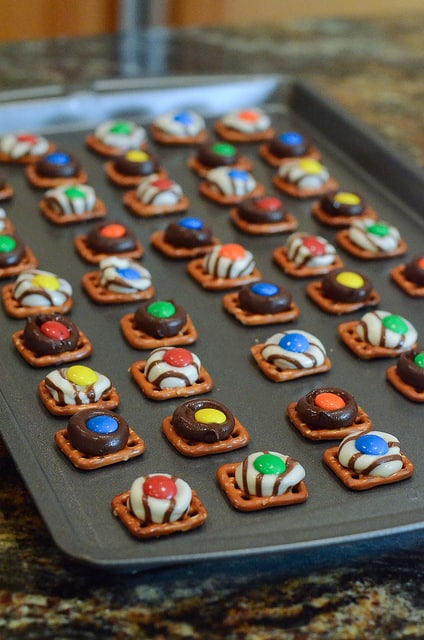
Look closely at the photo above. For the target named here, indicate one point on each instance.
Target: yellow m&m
(137, 156)
(45, 281)
(350, 279)
(209, 416)
(347, 198)
(81, 375)
(310, 165)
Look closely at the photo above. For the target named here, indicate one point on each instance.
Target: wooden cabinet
(34, 19)
(227, 12)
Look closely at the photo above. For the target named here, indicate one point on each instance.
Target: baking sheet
(76, 505)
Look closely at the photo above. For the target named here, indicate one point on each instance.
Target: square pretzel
(98, 211)
(289, 223)
(14, 309)
(276, 161)
(210, 192)
(126, 181)
(134, 204)
(230, 302)
(365, 254)
(407, 390)
(103, 149)
(193, 519)
(362, 423)
(109, 400)
(281, 258)
(140, 340)
(102, 295)
(361, 348)
(82, 350)
(340, 220)
(93, 257)
(157, 239)
(239, 438)
(213, 283)
(352, 480)
(226, 476)
(284, 375)
(7, 192)
(335, 307)
(28, 261)
(411, 288)
(303, 194)
(41, 182)
(135, 447)
(204, 384)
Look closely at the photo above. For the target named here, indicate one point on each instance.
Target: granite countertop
(375, 69)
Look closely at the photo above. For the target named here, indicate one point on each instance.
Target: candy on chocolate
(188, 238)
(15, 256)
(288, 145)
(64, 390)
(37, 291)
(156, 195)
(23, 148)
(410, 276)
(407, 376)
(226, 266)
(305, 255)
(230, 185)
(106, 239)
(378, 334)
(343, 291)
(342, 208)
(158, 323)
(114, 137)
(159, 504)
(69, 204)
(328, 413)
(260, 303)
(263, 479)
(372, 239)
(291, 354)
(51, 339)
(203, 427)
(304, 178)
(179, 127)
(170, 372)
(56, 168)
(245, 125)
(263, 215)
(97, 438)
(366, 460)
(118, 280)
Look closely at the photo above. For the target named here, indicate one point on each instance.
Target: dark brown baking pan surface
(76, 505)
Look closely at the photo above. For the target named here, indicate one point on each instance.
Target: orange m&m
(329, 401)
(232, 251)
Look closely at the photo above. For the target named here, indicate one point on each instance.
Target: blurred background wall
(34, 19)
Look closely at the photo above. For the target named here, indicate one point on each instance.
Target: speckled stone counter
(375, 69)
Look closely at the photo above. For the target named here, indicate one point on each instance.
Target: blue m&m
(184, 117)
(191, 223)
(238, 174)
(128, 273)
(292, 138)
(294, 342)
(265, 289)
(102, 424)
(58, 157)
(372, 445)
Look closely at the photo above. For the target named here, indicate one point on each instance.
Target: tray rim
(411, 173)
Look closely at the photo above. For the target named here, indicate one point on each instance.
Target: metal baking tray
(76, 505)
